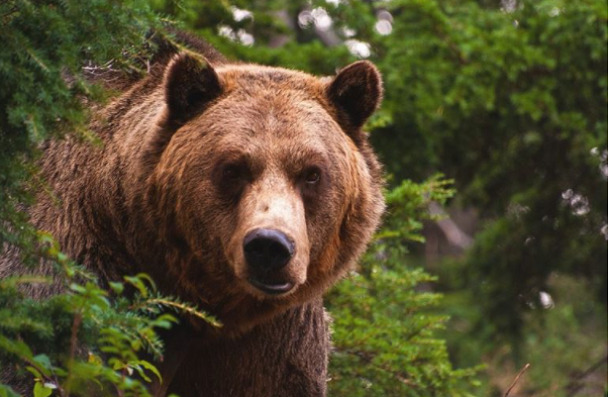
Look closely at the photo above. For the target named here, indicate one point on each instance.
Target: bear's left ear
(191, 83)
(357, 91)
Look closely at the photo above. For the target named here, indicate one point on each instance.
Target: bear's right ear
(190, 85)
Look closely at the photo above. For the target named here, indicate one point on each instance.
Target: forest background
(494, 134)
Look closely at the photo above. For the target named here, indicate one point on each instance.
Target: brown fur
(194, 157)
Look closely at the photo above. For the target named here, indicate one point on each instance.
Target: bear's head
(263, 185)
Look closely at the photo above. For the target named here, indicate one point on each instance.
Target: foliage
(87, 340)
(384, 336)
(44, 48)
(513, 105)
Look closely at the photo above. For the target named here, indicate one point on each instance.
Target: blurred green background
(494, 134)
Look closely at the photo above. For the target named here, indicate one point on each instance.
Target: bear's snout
(266, 251)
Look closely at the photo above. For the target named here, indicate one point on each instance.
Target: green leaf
(150, 367)
(117, 287)
(41, 390)
(43, 361)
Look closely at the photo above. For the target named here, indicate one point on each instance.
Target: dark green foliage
(513, 105)
(384, 335)
(44, 47)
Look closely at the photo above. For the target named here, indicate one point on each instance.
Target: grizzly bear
(244, 189)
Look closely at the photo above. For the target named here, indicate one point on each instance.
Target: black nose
(267, 249)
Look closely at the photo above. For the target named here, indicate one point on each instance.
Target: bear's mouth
(272, 289)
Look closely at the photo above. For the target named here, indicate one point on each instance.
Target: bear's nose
(267, 249)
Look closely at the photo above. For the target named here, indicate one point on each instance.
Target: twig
(525, 367)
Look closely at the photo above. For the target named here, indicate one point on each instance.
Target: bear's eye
(231, 178)
(232, 175)
(232, 171)
(312, 176)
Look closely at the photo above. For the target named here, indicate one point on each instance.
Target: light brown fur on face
(204, 170)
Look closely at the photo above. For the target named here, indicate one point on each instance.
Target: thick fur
(195, 156)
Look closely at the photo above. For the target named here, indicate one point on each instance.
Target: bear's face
(271, 185)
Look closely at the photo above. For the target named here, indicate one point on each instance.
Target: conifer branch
(185, 308)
